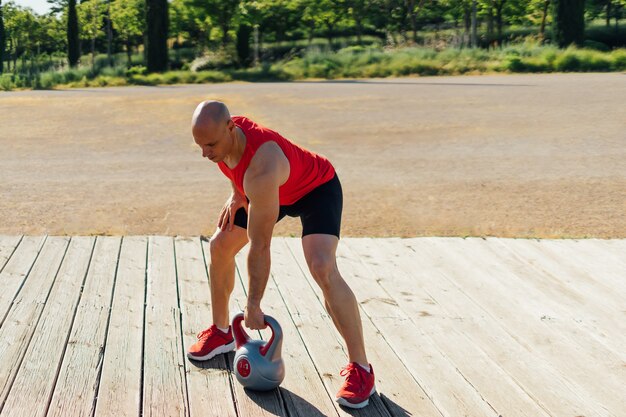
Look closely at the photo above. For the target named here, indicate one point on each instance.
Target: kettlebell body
(258, 364)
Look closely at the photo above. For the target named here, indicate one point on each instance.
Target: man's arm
(268, 170)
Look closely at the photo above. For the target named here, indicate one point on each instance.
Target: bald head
(210, 113)
(213, 130)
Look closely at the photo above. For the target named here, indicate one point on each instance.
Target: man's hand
(227, 216)
(254, 317)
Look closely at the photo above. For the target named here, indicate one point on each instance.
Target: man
(272, 177)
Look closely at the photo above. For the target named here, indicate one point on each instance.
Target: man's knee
(222, 247)
(322, 268)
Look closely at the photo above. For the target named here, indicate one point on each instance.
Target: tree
(91, 14)
(222, 13)
(157, 20)
(22, 30)
(126, 17)
(3, 41)
(569, 22)
(73, 43)
(412, 10)
(190, 22)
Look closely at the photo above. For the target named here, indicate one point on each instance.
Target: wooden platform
(454, 327)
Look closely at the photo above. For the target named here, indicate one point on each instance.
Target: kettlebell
(258, 364)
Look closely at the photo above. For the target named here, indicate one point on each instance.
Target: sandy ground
(525, 156)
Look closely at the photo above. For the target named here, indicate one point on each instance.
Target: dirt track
(536, 155)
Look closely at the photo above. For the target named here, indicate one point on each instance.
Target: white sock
(366, 367)
(224, 330)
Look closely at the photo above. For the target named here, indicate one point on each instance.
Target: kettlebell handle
(270, 347)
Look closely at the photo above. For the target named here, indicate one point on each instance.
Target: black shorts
(319, 210)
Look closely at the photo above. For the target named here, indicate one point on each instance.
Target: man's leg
(319, 251)
(224, 246)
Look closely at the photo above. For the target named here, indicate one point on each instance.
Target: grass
(350, 62)
(376, 62)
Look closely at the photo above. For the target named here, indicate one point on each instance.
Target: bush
(6, 82)
(619, 60)
(598, 46)
(568, 61)
(136, 70)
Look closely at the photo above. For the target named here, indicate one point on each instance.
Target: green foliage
(421, 61)
(126, 16)
(6, 82)
(3, 40)
(211, 40)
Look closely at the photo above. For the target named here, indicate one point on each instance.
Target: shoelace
(353, 379)
(206, 333)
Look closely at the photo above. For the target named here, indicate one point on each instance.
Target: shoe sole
(346, 403)
(217, 351)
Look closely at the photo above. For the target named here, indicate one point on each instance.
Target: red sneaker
(359, 385)
(211, 342)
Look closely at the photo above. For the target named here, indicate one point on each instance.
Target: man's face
(214, 138)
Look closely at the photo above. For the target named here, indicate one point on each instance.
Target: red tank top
(307, 169)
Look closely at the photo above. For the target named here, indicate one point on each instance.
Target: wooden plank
(302, 390)
(567, 344)
(480, 371)
(430, 271)
(119, 392)
(559, 281)
(249, 403)
(399, 391)
(615, 247)
(37, 376)
(77, 384)
(16, 270)
(7, 247)
(438, 377)
(595, 277)
(208, 382)
(599, 266)
(500, 294)
(20, 324)
(316, 328)
(164, 386)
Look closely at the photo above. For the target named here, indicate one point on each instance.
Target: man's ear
(230, 124)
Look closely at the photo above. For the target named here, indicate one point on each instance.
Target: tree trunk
(499, 22)
(129, 53)
(410, 8)
(73, 44)
(329, 34)
(467, 25)
(569, 22)
(256, 45)
(93, 55)
(544, 16)
(474, 25)
(3, 41)
(109, 34)
(359, 30)
(224, 35)
(243, 44)
(158, 24)
(311, 33)
(490, 19)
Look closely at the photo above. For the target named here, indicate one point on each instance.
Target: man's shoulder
(267, 154)
(268, 160)
(240, 120)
